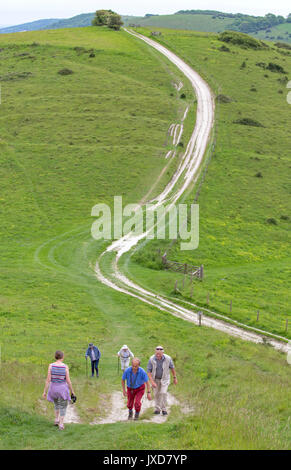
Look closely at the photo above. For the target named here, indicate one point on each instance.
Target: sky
(22, 11)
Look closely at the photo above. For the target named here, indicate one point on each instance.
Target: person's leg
(63, 409)
(92, 368)
(57, 411)
(130, 400)
(157, 396)
(163, 398)
(96, 367)
(138, 394)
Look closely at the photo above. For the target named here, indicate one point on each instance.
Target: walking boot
(136, 416)
(130, 414)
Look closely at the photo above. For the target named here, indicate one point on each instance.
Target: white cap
(124, 347)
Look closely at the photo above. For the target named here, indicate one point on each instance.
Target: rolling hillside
(85, 115)
(245, 199)
(197, 20)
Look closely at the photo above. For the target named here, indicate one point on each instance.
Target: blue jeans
(94, 365)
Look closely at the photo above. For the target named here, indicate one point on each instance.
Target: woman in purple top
(59, 387)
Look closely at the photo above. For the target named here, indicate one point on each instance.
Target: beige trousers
(160, 395)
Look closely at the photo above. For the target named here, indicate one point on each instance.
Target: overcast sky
(21, 11)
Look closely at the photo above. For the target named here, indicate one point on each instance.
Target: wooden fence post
(286, 324)
(176, 286)
(199, 318)
(207, 298)
(258, 315)
(201, 271)
(230, 306)
(185, 273)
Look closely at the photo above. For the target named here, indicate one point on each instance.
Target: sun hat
(124, 347)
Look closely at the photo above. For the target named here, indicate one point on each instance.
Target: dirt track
(186, 173)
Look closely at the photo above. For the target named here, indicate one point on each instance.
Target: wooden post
(185, 272)
(286, 324)
(191, 294)
(258, 315)
(176, 286)
(207, 298)
(230, 306)
(201, 271)
(199, 318)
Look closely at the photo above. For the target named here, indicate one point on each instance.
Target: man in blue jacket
(137, 380)
(94, 354)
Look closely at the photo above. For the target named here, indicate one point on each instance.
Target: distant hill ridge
(268, 27)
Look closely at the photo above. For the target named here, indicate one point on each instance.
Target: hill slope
(268, 27)
(68, 141)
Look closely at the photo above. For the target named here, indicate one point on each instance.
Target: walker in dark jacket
(94, 354)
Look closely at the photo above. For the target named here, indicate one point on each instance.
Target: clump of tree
(242, 40)
(242, 22)
(107, 18)
(248, 122)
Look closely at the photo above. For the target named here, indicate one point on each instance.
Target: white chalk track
(185, 175)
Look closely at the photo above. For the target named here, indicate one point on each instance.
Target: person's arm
(123, 387)
(47, 382)
(147, 383)
(69, 381)
(174, 376)
(153, 383)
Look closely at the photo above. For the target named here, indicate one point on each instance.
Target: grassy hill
(245, 199)
(95, 130)
(192, 22)
(32, 26)
(197, 20)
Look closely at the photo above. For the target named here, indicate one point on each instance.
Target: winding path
(185, 175)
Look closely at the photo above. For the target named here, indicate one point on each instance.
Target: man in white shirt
(125, 354)
(159, 367)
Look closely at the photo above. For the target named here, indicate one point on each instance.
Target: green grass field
(246, 258)
(70, 141)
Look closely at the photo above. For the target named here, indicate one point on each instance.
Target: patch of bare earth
(118, 410)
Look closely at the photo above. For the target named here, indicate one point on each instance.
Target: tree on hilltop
(107, 18)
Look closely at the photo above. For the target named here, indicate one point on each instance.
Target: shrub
(248, 122)
(65, 72)
(283, 45)
(272, 221)
(242, 40)
(275, 68)
(223, 99)
(223, 48)
(259, 175)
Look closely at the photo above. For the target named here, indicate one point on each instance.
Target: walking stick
(118, 365)
(86, 368)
